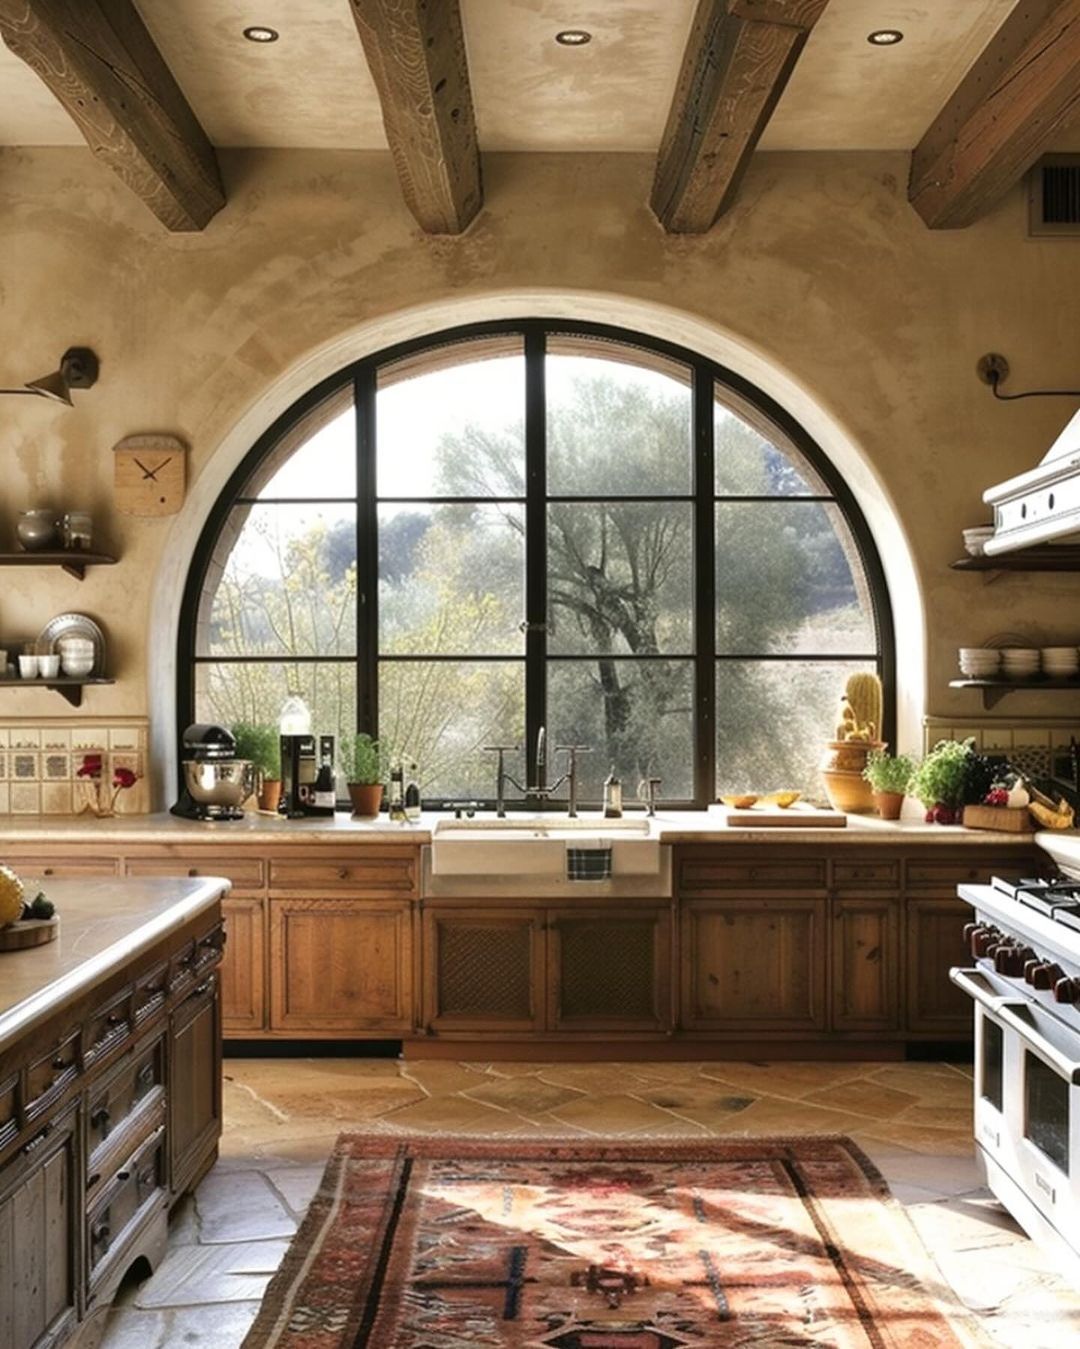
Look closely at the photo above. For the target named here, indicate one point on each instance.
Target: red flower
(91, 766)
(124, 777)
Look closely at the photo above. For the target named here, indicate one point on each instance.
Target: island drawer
(107, 1028)
(151, 989)
(376, 872)
(700, 875)
(112, 1104)
(137, 1182)
(244, 873)
(857, 875)
(49, 1076)
(9, 1114)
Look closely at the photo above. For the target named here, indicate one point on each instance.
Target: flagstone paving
(281, 1117)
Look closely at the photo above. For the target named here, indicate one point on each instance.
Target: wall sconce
(78, 370)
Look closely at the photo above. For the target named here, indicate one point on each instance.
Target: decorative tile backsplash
(1034, 744)
(40, 761)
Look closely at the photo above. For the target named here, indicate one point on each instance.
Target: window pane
(443, 713)
(253, 692)
(286, 583)
(788, 579)
(451, 579)
(618, 421)
(772, 721)
(751, 456)
(637, 715)
(620, 578)
(317, 458)
(453, 427)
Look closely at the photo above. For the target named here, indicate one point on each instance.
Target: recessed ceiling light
(259, 34)
(885, 37)
(573, 37)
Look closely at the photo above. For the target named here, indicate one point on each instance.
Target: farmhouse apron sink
(543, 846)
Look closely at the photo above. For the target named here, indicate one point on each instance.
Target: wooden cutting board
(794, 817)
(28, 932)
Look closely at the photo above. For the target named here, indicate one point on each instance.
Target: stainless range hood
(1042, 505)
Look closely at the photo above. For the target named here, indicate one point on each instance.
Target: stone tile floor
(281, 1117)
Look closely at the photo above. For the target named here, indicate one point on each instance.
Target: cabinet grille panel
(484, 970)
(606, 970)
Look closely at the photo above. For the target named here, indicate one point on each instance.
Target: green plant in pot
(941, 781)
(889, 776)
(262, 745)
(362, 763)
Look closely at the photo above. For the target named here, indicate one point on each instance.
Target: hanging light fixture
(78, 370)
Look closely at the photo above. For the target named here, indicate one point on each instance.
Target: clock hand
(147, 472)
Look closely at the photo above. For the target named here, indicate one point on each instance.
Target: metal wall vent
(1054, 198)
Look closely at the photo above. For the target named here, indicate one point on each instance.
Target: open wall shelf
(1048, 558)
(993, 690)
(71, 689)
(74, 563)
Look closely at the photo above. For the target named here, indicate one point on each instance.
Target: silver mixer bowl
(226, 782)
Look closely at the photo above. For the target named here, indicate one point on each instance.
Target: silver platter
(73, 625)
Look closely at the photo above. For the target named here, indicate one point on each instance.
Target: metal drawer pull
(37, 1140)
(100, 1233)
(193, 871)
(101, 1117)
(145, 1076)
(60, 1064)
(201, 988)
(115, 1019)
(123, 1175)
(145, 1179)
(343, 873)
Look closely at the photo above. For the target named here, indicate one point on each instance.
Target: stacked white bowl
(980, 662)
(1061, 662)
(1020, 662)
(76, 656)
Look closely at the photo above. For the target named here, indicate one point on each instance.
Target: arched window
(455, 542)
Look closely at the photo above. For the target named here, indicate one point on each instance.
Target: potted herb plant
(941, 781)
(362, 765)
(262, 745)
(888, 776)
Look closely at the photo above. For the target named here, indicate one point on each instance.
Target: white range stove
(1024, 980)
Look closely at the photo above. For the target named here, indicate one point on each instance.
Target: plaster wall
(822, 285)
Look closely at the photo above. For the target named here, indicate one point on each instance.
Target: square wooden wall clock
(149, 474)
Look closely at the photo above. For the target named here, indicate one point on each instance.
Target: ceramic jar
(36, 530)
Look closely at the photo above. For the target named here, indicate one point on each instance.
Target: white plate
(74, 625)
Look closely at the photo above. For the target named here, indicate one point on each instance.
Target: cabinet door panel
(865, 960)
(243, 968)
(751, 965)
(341, 965)
(484, 969)
(194, 1093)
(935, 942)
(609, 970)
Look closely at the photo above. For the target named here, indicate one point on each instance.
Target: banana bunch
(1049, 814)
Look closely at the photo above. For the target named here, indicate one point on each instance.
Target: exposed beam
(101, 63)
(416, 51)
(1001, 118)
(738, 59)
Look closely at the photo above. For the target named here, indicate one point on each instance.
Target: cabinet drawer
(107, 1028)
(55, 867)
(150, 992)
(380, 872)
(948, 874)
(136, 1184)
(112, 1104)
(701, 875)
(245, 873)
(859, 875)
(9, 1119)
(51, 1074)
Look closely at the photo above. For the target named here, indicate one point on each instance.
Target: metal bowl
(228, 782)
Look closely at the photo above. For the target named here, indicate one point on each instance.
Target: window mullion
(367, 554)
(535, 543)
(704, 588)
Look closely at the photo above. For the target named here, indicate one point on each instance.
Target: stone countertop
(668, 826)
(103, 923)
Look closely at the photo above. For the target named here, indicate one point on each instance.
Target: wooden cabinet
(194, 1084)
(753, 965)
(935, 942)
(864, 942)
(39, 1220)
(609, 969)
(243, 969)
(483, 969)
(341, 966)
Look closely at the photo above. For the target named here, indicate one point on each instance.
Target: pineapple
(11, 897)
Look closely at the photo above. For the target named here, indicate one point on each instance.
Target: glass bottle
(396, 805)
(295, 717)
(323, 796)
(612, 796)
(412, 792)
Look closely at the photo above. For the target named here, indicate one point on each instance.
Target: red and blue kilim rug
(436, 1243)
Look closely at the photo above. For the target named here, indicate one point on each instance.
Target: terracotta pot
(847, 791)
(366, 797)
(848, 756)
(889, 804)
(270, 794)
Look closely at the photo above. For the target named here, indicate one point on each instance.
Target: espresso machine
(215, 783)
(302, 794)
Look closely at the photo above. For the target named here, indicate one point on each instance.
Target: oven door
(1027, 1097)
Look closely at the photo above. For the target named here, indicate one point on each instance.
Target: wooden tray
(29, 932)
(794, 817)
(1011, 819)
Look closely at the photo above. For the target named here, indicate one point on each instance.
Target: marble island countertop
(667, 826)
(102, 924)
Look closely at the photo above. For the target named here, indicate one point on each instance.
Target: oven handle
(1068, 1068)
(975, 984)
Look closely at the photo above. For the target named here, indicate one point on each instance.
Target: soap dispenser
(612, 796)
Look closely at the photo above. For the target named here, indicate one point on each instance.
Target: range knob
(982, 940)
(1009, 960)
(1046, 976)
(1066, 990)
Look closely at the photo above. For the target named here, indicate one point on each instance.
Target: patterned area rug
(443, 1243)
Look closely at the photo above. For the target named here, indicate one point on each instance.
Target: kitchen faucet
(541, 789)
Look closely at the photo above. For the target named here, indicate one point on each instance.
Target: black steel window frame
(705, 376)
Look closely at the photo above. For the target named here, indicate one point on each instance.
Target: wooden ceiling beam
(101, 63)
(1003, 115)
(416, 52)
(738, 59)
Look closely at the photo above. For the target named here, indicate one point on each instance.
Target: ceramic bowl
(740, 800)
(76, 666)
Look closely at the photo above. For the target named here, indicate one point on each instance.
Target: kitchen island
(110, 1092)
(764, 942)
